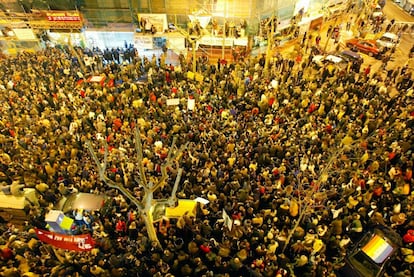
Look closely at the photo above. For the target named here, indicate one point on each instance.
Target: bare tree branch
(110, 183)
(148, 202)
(172, 200)
(168, 163)
(101, 169)
(138, 150)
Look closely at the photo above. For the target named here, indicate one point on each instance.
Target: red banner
(76, 243)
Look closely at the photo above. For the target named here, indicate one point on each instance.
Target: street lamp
(330, 33)
(193, 41)
(270, 35)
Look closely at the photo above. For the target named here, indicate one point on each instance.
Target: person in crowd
(301, 161)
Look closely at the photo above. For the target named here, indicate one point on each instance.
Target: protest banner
(68, 242)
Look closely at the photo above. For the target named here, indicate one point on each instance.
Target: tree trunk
(149, 224)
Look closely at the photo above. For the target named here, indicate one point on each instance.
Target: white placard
(25, 34)
(241, 41)
(274, 83)
(176, 43)
(96, 79)
(191, 104)
(228, 222)
(173, 101)
(143, 42)
(202, 200)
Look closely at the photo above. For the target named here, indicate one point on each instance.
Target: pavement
(291, 48)
(324, 43)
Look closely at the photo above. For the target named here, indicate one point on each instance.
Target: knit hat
(352, 202)
(242, 254)
(409, 236)
(299, 233)
(294, 208)
(42, 187)
(302, 260)
(337, 226)
(317, 245)
(398, 219)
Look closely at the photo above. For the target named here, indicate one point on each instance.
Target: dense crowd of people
(303, 161)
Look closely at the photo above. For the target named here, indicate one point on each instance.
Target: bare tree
(147, 202)
(306, 197)
(349, 157)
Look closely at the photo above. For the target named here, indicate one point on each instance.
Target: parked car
(371, 255)
(366, 46)
(388, 41)
(84, 201)
(321, 60)
(351, 56)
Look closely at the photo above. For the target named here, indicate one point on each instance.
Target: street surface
(393, 11)
(400, 57)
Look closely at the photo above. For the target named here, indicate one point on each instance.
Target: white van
(388, 41)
